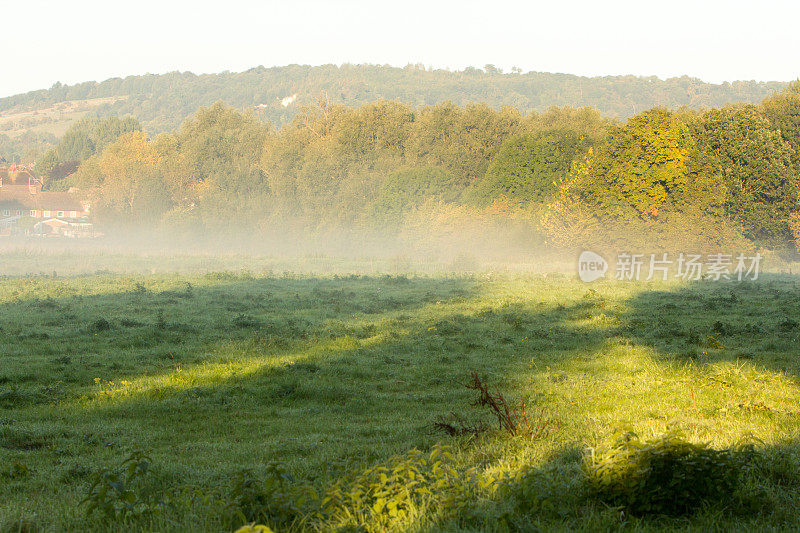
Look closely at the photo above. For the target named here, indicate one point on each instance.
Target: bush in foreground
(667, 476)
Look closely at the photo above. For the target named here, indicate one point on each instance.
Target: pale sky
(43, 42)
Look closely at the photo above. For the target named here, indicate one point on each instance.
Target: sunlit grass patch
(334, 379)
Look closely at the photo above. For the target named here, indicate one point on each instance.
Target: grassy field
(203, 401)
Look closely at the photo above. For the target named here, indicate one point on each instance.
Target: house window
(47, 213)
(19, 212)
(6, 212)
(60, 214)
(73, 214)
(33, 213)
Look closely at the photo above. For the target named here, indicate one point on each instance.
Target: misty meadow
(307, 306)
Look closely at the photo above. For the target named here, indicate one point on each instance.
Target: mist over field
(433, 181)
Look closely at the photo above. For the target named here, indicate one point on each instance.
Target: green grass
(332, 376)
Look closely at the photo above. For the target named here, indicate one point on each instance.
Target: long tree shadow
(67, 348)
(90, 322)
(326, 374)
(722, 359)
(359, 391)
(710, 322)
(234, 373)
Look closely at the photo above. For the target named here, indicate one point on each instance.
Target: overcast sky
(44, 42)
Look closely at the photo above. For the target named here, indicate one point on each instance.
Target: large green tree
(647, 185)
(220, 148)
(783, 112)
(756, 165)
(529, 166)
(83, 139)
(460, 140)
(125, 183)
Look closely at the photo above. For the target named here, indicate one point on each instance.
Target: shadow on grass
(711, 322)
(358, 391)
(722, 336)
(325, 374)
(241, 372)
(190, 347)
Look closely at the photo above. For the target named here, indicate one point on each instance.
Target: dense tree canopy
(82, 140)
(646, 176)
(529, 166)
(701, 179)
(783, 112)
(645, 168)
(404, 190)
(125, 180)
(755, 163)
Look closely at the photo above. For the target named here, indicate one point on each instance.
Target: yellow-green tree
(125, 181)
(647, 175)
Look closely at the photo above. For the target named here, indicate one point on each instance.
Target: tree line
(162, 102)
(566, 177)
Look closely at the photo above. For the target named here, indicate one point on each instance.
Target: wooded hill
(162, 102)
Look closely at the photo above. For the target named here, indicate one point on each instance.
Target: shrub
(389, 496)
(116, 494)
(275, 499)
(667, 476)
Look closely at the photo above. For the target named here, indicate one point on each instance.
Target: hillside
(162, 102)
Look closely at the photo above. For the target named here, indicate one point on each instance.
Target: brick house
(21, 195)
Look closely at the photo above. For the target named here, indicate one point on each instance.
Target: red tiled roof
(20, 197)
